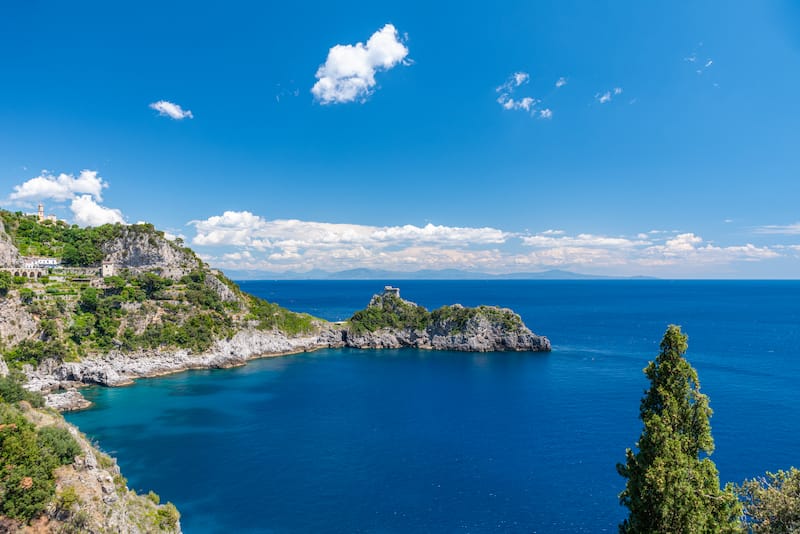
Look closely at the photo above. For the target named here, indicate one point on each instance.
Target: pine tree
(673, 487)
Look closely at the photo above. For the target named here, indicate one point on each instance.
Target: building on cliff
(389, 290)
(109, 268)
(42, 217)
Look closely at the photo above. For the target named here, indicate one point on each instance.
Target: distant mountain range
(426, 274)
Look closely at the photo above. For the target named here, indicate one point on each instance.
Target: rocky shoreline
(59, 381)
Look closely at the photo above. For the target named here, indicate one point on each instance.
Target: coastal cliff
(155, 308)
(55, 480)
(392, 322)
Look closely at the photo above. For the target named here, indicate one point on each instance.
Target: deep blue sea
(415, 441)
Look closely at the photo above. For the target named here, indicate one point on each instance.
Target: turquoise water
(415, 441)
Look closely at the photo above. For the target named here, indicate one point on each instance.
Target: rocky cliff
(140, 250)
(91, 494)
(9, 255)
(392, 322)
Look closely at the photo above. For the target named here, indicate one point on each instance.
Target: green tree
(6, 281)
(772, 503)
(672, 486)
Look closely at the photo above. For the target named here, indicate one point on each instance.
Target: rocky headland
(124, 302)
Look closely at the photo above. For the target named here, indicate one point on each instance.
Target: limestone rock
(16, 322)
(453, 328)
(66, 401)
(141, 251)
(9, 255)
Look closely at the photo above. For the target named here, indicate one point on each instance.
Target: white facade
(109, 269)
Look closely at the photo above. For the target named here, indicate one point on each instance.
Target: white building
(108, 269)
(389, 290)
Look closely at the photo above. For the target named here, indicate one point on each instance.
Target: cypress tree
(672, 486)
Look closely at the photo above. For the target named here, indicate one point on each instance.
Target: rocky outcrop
(66, 401)
(139, 249)
(483, 339)
(16, 322)
(9, 255)
(226, 294)
(3, 367)
(392, 322)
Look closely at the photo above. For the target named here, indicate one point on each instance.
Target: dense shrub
(27, 459)
(389, 311)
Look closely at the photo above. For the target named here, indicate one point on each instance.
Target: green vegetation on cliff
(28, 456)
(38, 453)
(174, 302)
(391, 311)
(75, 246)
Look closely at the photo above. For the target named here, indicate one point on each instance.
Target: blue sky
(444, 142)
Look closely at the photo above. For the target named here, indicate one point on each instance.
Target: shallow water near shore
(419, 441)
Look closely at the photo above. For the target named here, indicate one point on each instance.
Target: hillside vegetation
(391, 311)
(51, 475)
(162, 295)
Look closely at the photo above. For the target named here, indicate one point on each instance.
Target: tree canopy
(672, 485)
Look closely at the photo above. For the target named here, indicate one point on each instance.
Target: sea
(407, 441)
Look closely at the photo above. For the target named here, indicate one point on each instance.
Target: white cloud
(84, 193)
(513, 81)
(242, 228)
(87, 212)
(248, 241)
(787, 229)
(546, 239)
(605, 97)
(348, 74)
(169, 109)
(546, 113)
(691, 248)
(527, 103)
(59, 188)
(561, 82)
(618, 90)
(521, 77)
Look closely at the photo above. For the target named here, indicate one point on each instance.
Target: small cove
(414, 441)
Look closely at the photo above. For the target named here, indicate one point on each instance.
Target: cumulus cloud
(545, 113)
(59, 188)
(84, 194)
(561, 82)
(87, 212)
(242, 228)
(171, 110)
(348, 74)
(248, 241)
